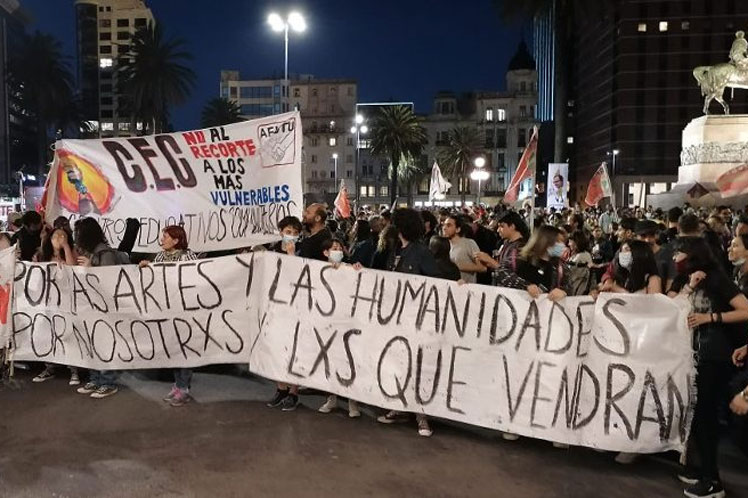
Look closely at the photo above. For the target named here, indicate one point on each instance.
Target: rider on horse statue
(739, 51)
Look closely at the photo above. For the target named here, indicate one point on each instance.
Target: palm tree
(220, 111)
(41, 82)
(564, 12)
(397, 131)
(410, 173)
(153, 77)
(463, 146)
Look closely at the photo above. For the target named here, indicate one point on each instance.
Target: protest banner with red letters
(227, 186)
(616, 373)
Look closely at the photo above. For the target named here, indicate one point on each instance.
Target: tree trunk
(410, 193)
(395, 158)
(463, 180)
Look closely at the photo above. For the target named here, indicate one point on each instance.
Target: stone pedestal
(711, 146)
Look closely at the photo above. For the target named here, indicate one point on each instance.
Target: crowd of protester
(699, 253)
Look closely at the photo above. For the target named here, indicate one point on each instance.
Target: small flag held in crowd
(438, 186)
(599, 186)
(734, 182)
(525, 170)
(342, 205)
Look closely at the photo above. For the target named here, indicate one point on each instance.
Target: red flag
(525, 169)
(734, 182)
(342, 206)
(599, 186)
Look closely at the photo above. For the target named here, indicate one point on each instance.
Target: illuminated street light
(295, 22)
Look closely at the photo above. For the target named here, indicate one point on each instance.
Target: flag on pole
(734, 182)
(342, 205)
(599, 186)
(438, 186)
(525, 170)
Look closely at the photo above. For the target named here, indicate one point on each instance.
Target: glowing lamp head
(296, 22)
(275, 22)
(479, 162)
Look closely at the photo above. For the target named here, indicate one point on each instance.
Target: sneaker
(88, 388)
(330, 405)
(508, 436)
(393, 417)
(47, 373)
(180, 398)
(171, 394)
(626, 458)
(353, 411)
(689, 475)
(74, 379)
(423, 427)
(280, 395)
(289, 403)
(705, 489)
(104, 392)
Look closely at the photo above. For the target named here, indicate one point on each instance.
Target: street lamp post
(294, 22)
(614, 153)
(359, 128)
(335, 160)
(479, 174)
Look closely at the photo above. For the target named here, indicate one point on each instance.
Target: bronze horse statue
(714, 79)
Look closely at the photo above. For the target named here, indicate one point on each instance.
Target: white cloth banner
(557, 188)
(614, 374)
(7, 268)
(228, 186)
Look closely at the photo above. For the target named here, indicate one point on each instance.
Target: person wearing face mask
(719, 313)
(539, 268)
(286, 396)
(334, 249)
(738, 255)
(634, 271)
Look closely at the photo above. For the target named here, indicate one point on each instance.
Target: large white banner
(557, 191)
(615, 373)
(228, 186)
(7, 268)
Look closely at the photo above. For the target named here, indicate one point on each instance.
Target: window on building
(489, 138)
(123, 35)
(332, 141)
(349, 141)
(372, 191)
(105, 62)
(314, 142)
(107, 126)
(523, 86)
(569, 140)
(333, 90)
(501, 138)
(523, 111)
(314, 92)
(314, 159)
(105, 23)
(106, 100)
(107, 113)
(489, 115)
(257, 109)
(314, 173)
(106, 88)
(124, 126)
(123, 48)
(255, 92)
(141, 22)
(105, 49)
(384, 191)
(350, 91)
(348, 173)
(105, 35)
(500, 160)
(349, 158)
(685, 25)
(296, 92)
(234, 92)
(500, 115)
(123, 23)
(642, 28)
(663, 26)
(363, 191)
(521, 138)
(323, 174)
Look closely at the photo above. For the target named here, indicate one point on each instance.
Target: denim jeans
(104, 378)
(183, 378)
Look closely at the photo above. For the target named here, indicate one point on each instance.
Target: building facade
(327, 107)
(17, 139)
(631, 87)
(104, 29)
(503, 120)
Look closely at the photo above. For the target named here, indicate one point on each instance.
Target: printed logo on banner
(277, 143)
(83, 189)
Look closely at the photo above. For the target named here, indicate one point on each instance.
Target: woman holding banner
(174, 249)
(718, 305)
(57, 247)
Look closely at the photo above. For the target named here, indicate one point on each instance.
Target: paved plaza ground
(56, 443)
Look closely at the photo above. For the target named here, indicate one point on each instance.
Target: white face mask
(290, 238)
(625, 259)
(335, 256)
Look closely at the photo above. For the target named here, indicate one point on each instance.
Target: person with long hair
(93, 251)
(635, 270)
(539, 268)
(174, 248)
(738, 255)
(386, 245)
(718, 305)
(57, 247)
(363, 246)
(440, 247)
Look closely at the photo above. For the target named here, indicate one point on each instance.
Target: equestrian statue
(734, 74)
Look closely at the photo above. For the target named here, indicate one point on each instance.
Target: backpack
(121, 258)
(581, 279)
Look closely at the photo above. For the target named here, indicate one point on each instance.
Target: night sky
(396, 49)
